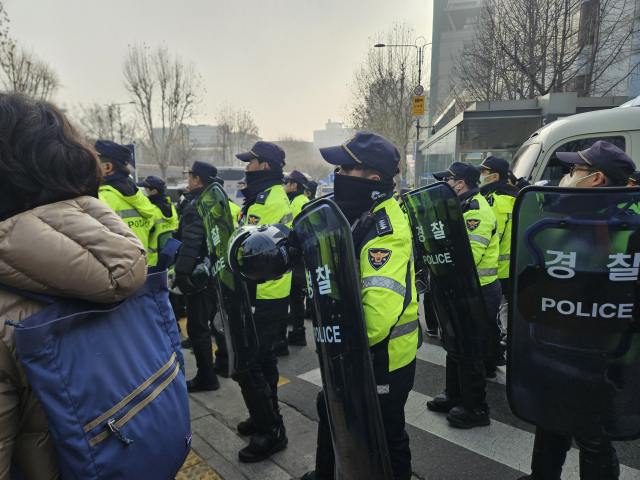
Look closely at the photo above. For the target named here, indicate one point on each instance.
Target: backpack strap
(168, 252)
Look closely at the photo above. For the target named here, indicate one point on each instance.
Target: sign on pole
(418, 106)
(419, 90)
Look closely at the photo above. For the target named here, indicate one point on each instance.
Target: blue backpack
(110, 379)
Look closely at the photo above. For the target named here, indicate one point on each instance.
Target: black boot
(405, 476)
(200, 384)
(297, 337)
(451, 396)
(549, 453)
(270, 436)
(473, 410)
(280, 346)
(246, 428)
(598, 460)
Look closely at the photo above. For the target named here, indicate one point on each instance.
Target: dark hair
(118, 166)
(41, 156)
(366, 171)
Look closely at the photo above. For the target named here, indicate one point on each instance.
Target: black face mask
(355, 195)
(258, 181)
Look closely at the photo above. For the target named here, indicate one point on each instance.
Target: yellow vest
(136, 211)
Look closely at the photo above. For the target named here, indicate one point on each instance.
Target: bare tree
(167, 91)
(107, 122)
(24, 72)
(529, 48)
(382, 90)
(185, 148)
(236, 132)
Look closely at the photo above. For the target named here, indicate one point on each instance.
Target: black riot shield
(574, 340)
(442, 243)
(342, 344)
(233, 299)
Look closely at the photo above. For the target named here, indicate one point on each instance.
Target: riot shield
(442, 245)
(341, 343)
(574, 341)
(233, 299)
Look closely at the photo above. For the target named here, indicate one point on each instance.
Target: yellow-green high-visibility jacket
(389, 297)
(297, 204)
(235, 212)
(272, 206)
(482, 228)
(136, 210)
(502, 206)
(161, 224)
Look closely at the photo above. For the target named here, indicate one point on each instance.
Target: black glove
(184, 283)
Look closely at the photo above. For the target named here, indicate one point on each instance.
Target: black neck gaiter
(160, 201)
(258, 181)
(355, 195)
(294, 194)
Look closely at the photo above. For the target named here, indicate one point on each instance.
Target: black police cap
(113, 150)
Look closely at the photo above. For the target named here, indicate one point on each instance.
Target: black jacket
(191, 233)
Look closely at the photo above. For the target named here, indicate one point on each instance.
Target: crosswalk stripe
(499, 442)
(436, 354)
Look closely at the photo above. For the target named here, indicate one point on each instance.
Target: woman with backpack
(56, 239)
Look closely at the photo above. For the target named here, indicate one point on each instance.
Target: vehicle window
(555, 169)
(231, 174)
(525, 159)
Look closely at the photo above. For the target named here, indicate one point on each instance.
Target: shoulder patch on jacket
(383, 225)
(262, 197)
(378, 257)
(254, 219)
(472, 224)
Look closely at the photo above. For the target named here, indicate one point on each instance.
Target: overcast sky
(287, 61)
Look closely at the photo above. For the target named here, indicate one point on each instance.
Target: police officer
(465, 393)
(165, 218)
(364, 189)
(201, 303)
(294, 185)
(634, 179)
(602, 165)
(311, 190)
(265, 202)
(120, 192)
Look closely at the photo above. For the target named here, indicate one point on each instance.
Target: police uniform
(121, 194)
(201, 304)
(297, 335)
(465, 393)
(501, 196)
(598, 459)
(382, 239)
(265, 202)
(165, 219)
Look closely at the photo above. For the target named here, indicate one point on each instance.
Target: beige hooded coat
(75, 248)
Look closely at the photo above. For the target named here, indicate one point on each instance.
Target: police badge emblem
(378, 257)
(253, 219)
(472, 224)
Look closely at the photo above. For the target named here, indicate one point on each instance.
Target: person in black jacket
(201, 304)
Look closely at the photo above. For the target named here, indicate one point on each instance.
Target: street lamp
(420, 48)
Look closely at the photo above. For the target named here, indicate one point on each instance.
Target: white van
(537, 162)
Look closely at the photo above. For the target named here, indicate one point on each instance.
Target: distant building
(332, 135)
(203, 135)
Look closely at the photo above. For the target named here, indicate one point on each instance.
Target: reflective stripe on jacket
(276, 209)
(502, 207)
(160, 225)
(136, 211)
(389, 295)
(482, 228)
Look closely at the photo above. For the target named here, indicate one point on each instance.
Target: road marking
(283, 381)
(436, 354)
(196, 467)
(500, 442)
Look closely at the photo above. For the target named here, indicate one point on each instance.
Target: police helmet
(263, 253)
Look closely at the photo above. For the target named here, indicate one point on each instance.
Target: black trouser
(465, 383)
(265, 372)
(598, 460)
(492, 294)
(296, 299)
(222, 354)
(392, 409)
(201, 309)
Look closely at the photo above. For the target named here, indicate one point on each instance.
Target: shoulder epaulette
(383, 225)
(474, 205)
(490, 200)
(262, 197)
